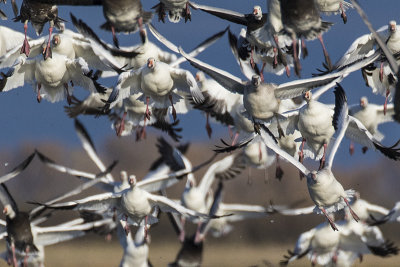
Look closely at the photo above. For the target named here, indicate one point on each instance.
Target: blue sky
(23, 120)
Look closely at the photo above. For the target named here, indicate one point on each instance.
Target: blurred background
(28, 125)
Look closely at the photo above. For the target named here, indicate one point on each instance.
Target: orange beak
(150, 63)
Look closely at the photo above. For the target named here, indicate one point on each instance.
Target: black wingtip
(230, 148)
(340, 102)
(44, 158)
(391, 152)
(108, 170)
(265, 128)
(82, 130)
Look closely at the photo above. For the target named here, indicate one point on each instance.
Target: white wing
(185, 82)
(168, 205)
(21, 71)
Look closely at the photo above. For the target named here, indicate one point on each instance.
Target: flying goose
(50, 77)
(38, 14)
(301, 19)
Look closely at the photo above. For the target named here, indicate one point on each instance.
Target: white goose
(9, 39)
(50, 77)
(333, 7)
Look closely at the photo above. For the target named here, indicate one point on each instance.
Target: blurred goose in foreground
(136, 251)
(392, 216)
(323, 246)
(50, 77)
(300, 19)
(176, 10)
(134, 204)
(198, 197)
(333, 7)
(38, 14)
(122, 15)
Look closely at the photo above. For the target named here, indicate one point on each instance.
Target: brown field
(88, 253)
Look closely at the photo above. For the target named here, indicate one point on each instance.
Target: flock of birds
(274, 122)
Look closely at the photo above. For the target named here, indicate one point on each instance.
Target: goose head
(132, 180)
(200, 77)
(363, 102)
(9, 211)
(256, 80)
(307, 96)
(392, 26)
(151, 63)
(257, 12)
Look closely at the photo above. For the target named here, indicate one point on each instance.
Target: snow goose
(323, 246)
(198, 197)
(38, 13)
(392, 216)
(371, 116)
(333, 6)
(49, 84)
(159, 84)
(302, 19)
(176, 10)
(134, 204)
(122, 15)
(366, 211)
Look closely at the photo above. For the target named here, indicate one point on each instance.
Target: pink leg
(26, 256)
(121, 126)
(208, 127)
(126, 227)
(173, 108)
(314, 259)
(115, 39)
(278, 51)
(355, 217)
(230, 131)
(278, 170)
(262, 72)
(327, 58)
(297, 66)
(386, 100)
(146, 219)
(69, 100)
(322, 161)
(198, 237)
(26, 48)
(301, 156)
(351, 149)
(188, 16)
(235, 138)
(14, 257)
(275, 63)
(142, 32)
(39, 97)
(329, 219)
(182, 234)
(108, 237)
(47, 52)
(304, 49)
(343, 14)
(147, 115)
(252, 58)
(335, 257)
